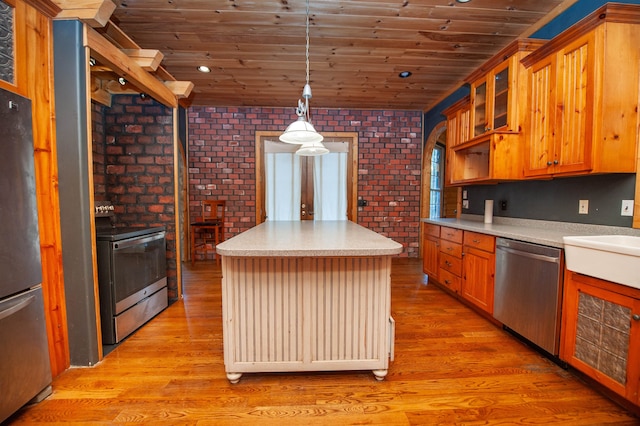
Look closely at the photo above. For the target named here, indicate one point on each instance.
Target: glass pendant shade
(301, 132)
(312, 149)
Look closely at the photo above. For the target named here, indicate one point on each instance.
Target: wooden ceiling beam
(181, 89)
(147, 59)
(106, 53)
(95, 13)
(98, 94)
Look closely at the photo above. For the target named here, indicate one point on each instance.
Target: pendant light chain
(307, 87)
(307, 52)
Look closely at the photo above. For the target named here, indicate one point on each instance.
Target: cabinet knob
(636, 317)
(549, 163)
(555, 162)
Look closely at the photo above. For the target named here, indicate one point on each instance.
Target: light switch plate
(627, 208)
(583, 207)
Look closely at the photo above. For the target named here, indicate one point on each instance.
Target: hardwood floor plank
(452, 367)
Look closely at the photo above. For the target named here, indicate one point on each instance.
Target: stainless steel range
(132, 274)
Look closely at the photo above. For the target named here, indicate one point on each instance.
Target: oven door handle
(120, 245)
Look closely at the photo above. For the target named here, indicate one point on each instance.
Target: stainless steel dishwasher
(528, 291)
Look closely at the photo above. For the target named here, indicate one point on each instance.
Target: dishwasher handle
(542, 257)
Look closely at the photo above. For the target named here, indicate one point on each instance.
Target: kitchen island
(307, 296)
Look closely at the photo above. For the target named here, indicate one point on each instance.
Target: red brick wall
(98, 145)
(221, 152)
(138, 167)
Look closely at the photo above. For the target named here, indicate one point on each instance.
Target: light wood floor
(452, 367)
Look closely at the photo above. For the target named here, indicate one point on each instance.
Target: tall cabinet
(583, 97)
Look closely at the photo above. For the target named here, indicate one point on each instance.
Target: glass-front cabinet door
(491, 101)
(480, 108)
(500, 98)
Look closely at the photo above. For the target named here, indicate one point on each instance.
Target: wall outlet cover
(583, 207)
(627, 208)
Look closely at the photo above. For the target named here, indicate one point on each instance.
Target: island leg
(234, 377)
(380, 374)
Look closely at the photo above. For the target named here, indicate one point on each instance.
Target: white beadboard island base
(307, 296)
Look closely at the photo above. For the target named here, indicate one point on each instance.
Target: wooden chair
(210, 222)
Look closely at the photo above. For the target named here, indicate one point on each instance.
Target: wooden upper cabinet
(487, 139)
(457, 131)
(583, 97)
(495, 88)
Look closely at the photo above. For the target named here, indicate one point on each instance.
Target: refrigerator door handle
(17, 306)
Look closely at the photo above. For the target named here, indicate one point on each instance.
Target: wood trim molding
(522, 45)
(548, 18)
(610, 12)
(46, 7)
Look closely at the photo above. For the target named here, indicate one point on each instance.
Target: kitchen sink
(613, 258)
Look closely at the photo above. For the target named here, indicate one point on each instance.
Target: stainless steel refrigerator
(25, 372)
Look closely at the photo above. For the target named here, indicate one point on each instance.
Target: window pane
(437, 180)
(6, 42)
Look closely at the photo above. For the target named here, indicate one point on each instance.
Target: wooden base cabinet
(450, 260)
(478, 270)
(601, 332)
(431, 250)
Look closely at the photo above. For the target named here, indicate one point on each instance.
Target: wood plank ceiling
(256, 49)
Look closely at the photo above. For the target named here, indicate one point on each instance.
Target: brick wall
(133, 164)
(221, 152)
(98, 145)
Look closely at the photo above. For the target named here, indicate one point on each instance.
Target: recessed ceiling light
(463, 1)
(204, 68)
(404, 74)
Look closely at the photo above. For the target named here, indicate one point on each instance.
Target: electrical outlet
(627, 208)
(465, 204)
(583, 207)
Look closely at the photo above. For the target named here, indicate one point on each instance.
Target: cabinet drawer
(451, 234)
(451, 264)
(480, 241)
(432, 230)
(450, 280)
(450, 248)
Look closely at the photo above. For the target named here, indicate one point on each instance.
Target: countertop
(308, 238)
(533, 231)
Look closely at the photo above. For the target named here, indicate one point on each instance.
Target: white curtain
(330, 186)
(282, 170)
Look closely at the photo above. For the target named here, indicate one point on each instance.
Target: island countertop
(308, 238)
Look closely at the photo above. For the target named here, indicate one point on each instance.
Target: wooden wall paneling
(35, 80)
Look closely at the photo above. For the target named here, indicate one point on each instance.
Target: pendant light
(301, 131)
